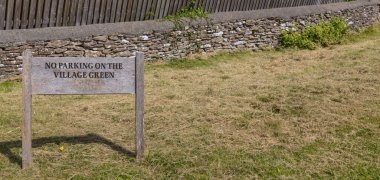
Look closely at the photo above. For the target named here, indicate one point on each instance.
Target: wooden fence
(24, 14)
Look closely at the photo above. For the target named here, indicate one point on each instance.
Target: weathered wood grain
(53, 12)
(158, 9)
(123, 10)
(103, 6)
(3, 5)
(24, 14)
(153, 9)
(32, 13)
(46, 13)
(113, 11)
(10, 8)
(17, 14)
(139, 7)
(39, 13)
(148, 11)
(44, 80)
(139, 105)
(166, 7)
(118, 10)
(60, 12)
(108, 11)
(129, 10)
(96, 12)
(90, 16)
(73, 8)
(66, 13)
(85, 12)
(78, 17)
(26, 111)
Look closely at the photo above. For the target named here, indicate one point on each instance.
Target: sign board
(69, 75)
(82, 75)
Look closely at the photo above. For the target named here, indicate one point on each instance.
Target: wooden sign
(68, 75)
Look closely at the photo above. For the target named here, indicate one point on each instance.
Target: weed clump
(322, 35)
(191, 12)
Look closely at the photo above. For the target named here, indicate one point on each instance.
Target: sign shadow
(5, 147)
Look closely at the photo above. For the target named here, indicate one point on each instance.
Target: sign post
(68, 75)
(26, 112)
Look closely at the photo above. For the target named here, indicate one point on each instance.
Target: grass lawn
(275, 114)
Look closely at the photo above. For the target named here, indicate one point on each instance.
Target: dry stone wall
(254, 34)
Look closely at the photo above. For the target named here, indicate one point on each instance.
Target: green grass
(9, 86)
(264, 115)
(185, 64)
(363, 34)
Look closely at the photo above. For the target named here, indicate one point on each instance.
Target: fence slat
(96, 12)
(139, 7)
(176, 6)
(78, 16)
(10, 8)
(85, 12)
(24, 14)
(66, 13)
(113, 11)
(142, 10)
(206, 4)
(249, 3)
(60, 12)
(32, 13)
(171, 7)
(256, 5)
(118, 10)
(148, 11)
(46, 13)
(73, 7)
(213, 6)
(3, 4)
(228, 5)
(157, 10)
(53, 13)
(108, 11)
(240, 5)
(152, 9)
(218, 5)
(129, 10)
(166, 9)
(102, 14)
(17, 14)
(235, 6)
(90, 16)
(123, 11)
(40, 7)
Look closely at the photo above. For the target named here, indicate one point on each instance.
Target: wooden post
(139, 105)
(26, 111)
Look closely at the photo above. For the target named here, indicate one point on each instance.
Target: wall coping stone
(140, 27)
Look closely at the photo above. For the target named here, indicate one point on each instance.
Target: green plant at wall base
(324, 34)
(190, 12)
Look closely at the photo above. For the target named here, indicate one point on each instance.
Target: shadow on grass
(5, 147)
